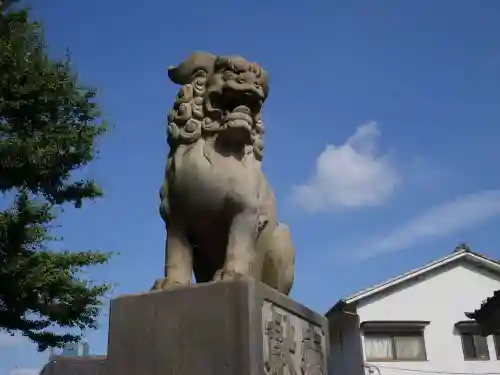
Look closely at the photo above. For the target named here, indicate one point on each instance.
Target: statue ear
(265, 82)
(183, 73)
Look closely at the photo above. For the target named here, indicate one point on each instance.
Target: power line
(377, 367)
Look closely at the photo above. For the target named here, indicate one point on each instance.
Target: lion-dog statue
(219, 210)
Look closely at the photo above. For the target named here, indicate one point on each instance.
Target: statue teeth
(242, 109)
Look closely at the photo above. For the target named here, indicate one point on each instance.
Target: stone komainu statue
(217, 205)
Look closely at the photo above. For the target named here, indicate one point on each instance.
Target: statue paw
(166, 284)
(217, 275)
(231, 273)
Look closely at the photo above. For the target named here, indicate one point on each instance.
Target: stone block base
(227, 328)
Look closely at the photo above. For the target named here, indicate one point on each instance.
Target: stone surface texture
(225, 328)
(218, 207)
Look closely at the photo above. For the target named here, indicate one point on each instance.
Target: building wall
(346, 356)
(441, 298)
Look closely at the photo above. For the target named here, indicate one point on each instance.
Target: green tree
(48, 126)
(487, 315)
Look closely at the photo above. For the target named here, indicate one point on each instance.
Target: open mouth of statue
(239, 110)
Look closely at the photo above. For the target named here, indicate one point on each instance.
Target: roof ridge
(460, 251)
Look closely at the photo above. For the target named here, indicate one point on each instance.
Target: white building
(72, 349)
(415, 324)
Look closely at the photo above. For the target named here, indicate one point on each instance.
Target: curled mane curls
(258, 139)
(186, 117)
(198, 109)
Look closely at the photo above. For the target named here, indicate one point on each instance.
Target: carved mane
(191, 119)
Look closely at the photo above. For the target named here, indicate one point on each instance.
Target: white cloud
(462, 213)
(350, 175)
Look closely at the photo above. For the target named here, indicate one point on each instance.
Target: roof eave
(491, 264)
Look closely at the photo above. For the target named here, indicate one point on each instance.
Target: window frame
(392, 336)
(392, 330)
(474, 337)
(496, 343)
(471, 328)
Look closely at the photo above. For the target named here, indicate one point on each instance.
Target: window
(496, 339)
(394, 340)
(401, 346)
(475, 347)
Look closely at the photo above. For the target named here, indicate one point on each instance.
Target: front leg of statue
(240, 252)
(178, 260)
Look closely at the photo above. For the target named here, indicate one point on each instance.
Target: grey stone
(238, 327)
(218, 207)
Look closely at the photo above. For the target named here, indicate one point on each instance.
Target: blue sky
(382, 131)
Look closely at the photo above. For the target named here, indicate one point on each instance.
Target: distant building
(85, 349)
(415, 323)
(82, 365)
(78, 349)
(71, 349)
(74, 359)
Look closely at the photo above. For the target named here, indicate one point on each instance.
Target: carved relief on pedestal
(292, 345)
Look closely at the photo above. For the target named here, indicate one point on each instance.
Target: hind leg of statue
(240, 252)
(279, 260)
(178, 261)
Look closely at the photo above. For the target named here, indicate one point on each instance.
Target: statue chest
(215, 182)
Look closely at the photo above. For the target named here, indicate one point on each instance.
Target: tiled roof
(461, 252)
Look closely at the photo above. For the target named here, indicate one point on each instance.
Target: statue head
(221, 97)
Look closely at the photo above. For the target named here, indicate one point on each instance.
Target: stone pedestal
(225, 328)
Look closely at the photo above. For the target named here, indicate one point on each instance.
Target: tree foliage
(48, 127)
(487, 315)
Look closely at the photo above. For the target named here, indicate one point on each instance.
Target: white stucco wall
(441, 298)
